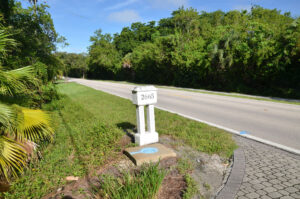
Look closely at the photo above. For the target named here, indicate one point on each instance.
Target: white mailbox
(145, 96)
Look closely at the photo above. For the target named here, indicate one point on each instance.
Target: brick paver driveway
(269, 172)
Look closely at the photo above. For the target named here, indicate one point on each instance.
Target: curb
(236, 176)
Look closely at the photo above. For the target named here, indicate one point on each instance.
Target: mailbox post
(145, 96)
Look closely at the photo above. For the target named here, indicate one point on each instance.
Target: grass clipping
(143, 184)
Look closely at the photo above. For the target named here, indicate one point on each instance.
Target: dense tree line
(73, 64)
(253, 52)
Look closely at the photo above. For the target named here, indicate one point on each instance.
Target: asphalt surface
(275, 122)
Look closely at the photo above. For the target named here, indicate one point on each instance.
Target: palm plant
(18, 125)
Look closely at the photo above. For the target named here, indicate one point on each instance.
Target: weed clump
(142, 184)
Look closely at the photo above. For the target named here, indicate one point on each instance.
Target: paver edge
(236, 176)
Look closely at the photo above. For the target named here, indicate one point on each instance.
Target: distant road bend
(275, 122)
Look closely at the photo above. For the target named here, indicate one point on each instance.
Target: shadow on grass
(128, 128)
(77, 154)
(126, 125)
(67, 197)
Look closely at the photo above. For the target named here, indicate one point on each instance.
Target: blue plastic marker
(243, 133)
(147, 150)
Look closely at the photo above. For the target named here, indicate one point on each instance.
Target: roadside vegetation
(27, 69)
(21, 128)
(255, 52)
(83, 143)
(90, 124)
(144, 184)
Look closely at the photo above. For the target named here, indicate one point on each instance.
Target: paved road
(275, 122)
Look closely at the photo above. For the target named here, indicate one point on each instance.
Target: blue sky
(78, 19)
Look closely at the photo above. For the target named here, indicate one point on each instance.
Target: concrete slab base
(149, 153)
(146, 138)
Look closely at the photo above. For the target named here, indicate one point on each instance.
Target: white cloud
(168, 3)
(124, 16)
(121, 5)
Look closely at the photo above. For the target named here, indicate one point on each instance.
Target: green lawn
(89, 124)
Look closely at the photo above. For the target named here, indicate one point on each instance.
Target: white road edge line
(274, 144)
(280, 146)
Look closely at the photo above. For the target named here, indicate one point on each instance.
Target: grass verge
(89, 125)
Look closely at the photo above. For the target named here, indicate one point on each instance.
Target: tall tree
(36, 36)
(104, 58)
(34, 2)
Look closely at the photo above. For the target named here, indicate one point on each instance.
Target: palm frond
(25, 75)
(6, 115)
(16, 81)
(12, 157)
(10, 85)
(34, 125)
(5, 41)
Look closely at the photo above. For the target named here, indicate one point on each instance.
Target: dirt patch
(85, 187)
(172, 186)
(208, 170)
(125, 141)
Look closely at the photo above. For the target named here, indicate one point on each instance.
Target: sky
(77, 20)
